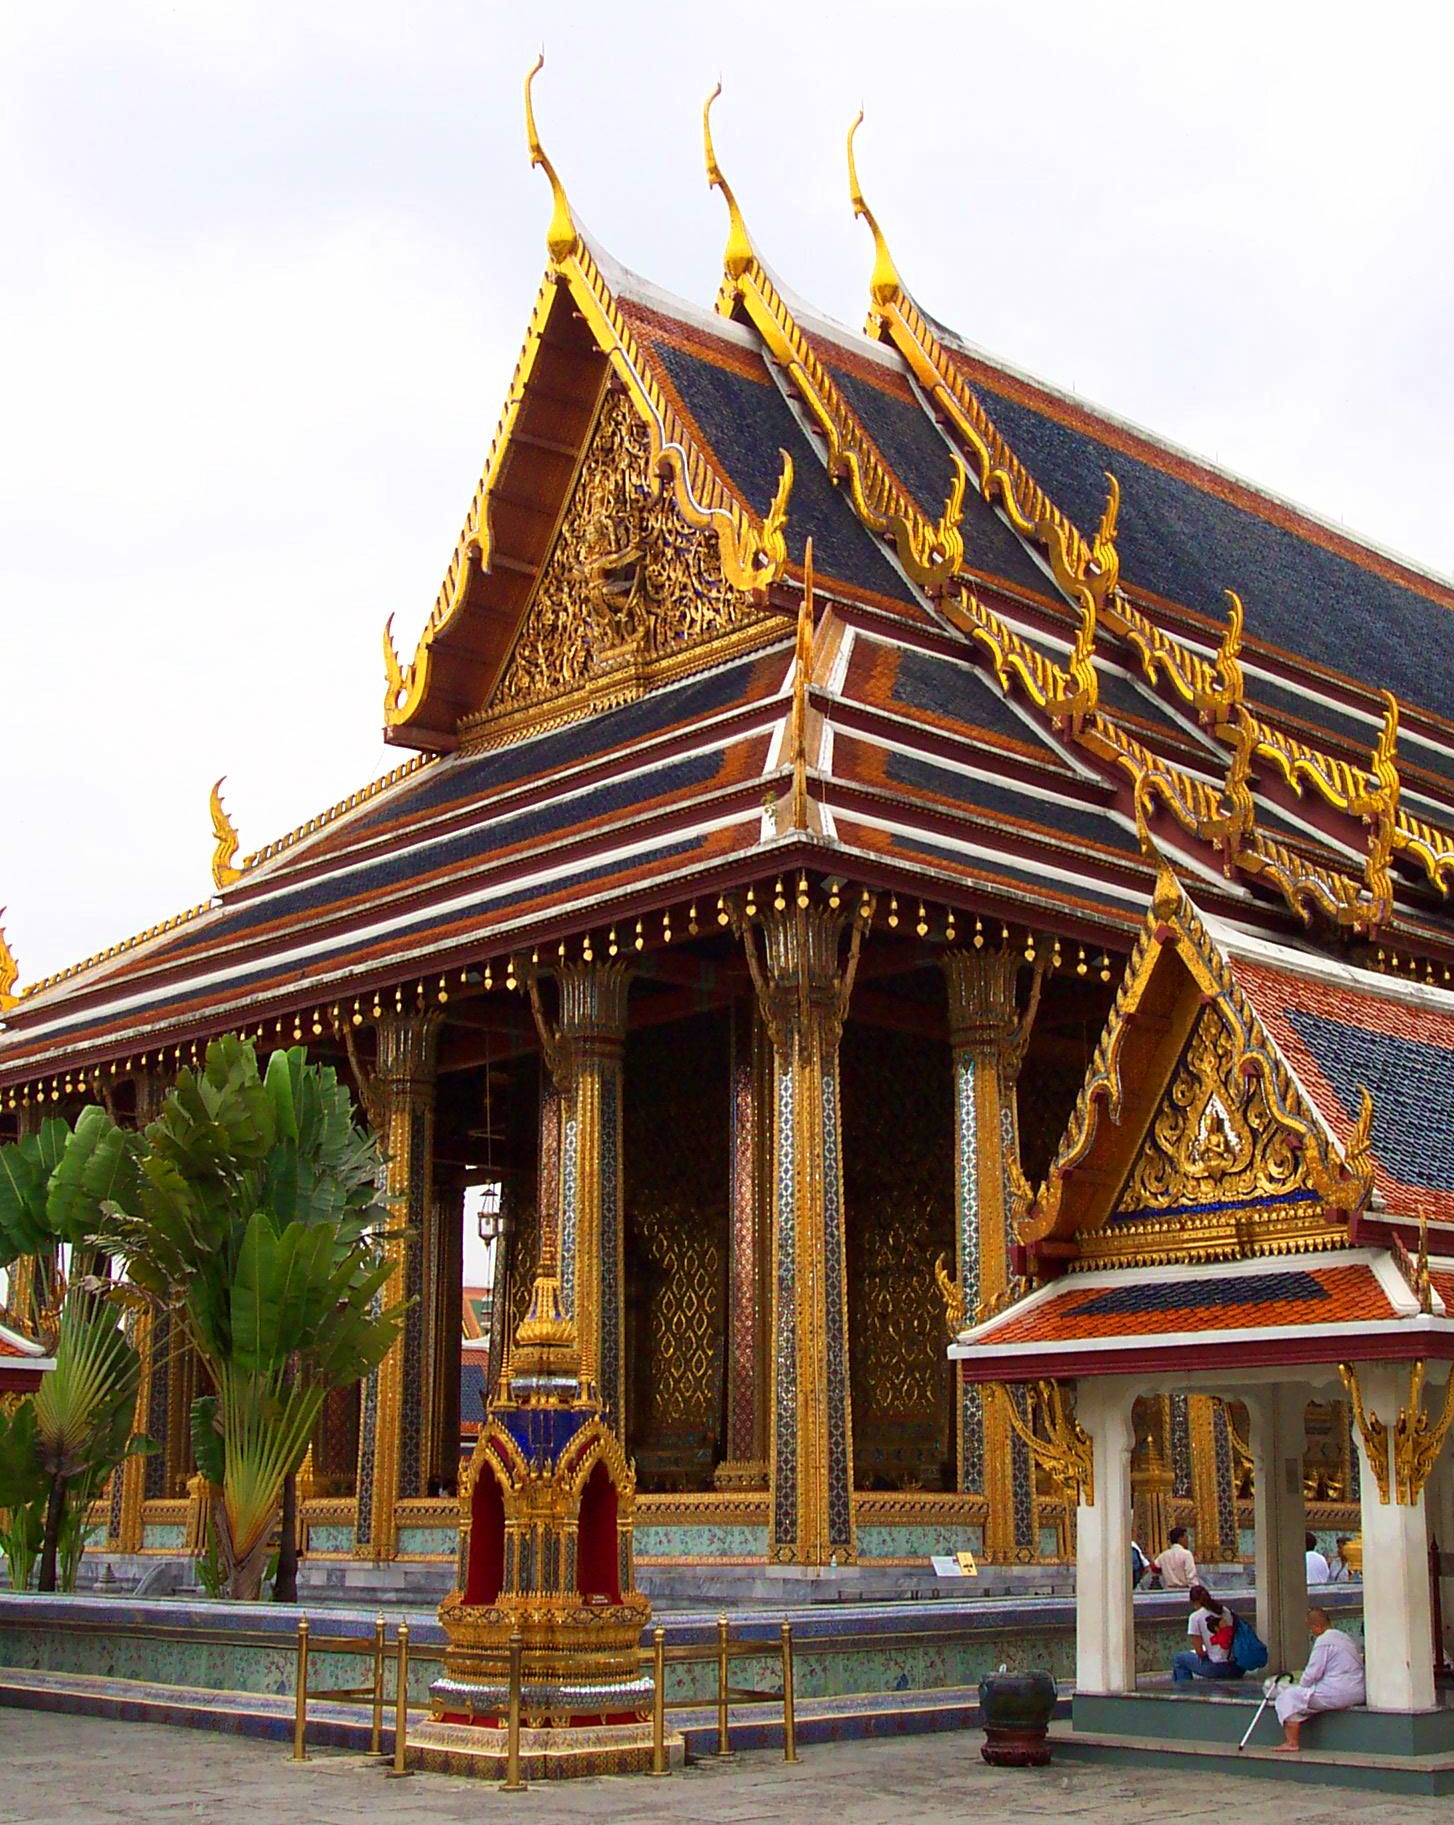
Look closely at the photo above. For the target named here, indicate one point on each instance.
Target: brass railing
(372, 1693)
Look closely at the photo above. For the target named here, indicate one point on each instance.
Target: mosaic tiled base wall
(728, 1540)
(851, 1649)
(918, 1542)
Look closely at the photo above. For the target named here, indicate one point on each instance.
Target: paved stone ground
(76, 1771)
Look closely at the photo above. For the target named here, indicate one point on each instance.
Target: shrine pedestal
(546, 1754)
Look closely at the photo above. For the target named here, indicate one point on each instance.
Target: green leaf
(207, 1438)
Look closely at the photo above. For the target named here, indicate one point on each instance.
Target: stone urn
(1015, 1710)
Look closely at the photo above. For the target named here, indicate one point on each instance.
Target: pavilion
(788, 761)
(1252, 1199)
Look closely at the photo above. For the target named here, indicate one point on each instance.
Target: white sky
(265, 268)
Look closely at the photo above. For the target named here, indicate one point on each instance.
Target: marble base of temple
(547, 1754)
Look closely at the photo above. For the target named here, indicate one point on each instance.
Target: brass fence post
(376, 1734)
(658, 1702)
(512, 1782)
(724, 1740)
(790, 1715)
(401, 1706)
(300, 1712)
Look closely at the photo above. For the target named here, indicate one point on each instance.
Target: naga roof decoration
(1012, 684)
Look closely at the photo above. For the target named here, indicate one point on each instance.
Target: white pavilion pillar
(1278, 1441)
(1397, 1611)
(1105, 1632)
(1440, 1497)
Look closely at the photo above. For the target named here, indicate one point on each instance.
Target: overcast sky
(265, 269)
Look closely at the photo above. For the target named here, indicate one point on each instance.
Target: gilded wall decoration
(678, 1180)
(898, 1174)
(627, 579)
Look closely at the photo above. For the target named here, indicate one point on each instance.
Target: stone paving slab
(57, 1770)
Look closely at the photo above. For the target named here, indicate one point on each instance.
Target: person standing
(1332, 1681)
(1319, 1571)
(1175, 1566)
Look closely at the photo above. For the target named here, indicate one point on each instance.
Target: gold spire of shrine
(739, 253)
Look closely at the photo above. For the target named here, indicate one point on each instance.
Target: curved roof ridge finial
(739, 255)
(9, 971)
(885, 281)
(561, 237)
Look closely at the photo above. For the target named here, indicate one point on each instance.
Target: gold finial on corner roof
(739, 254)
(885, 281)
(561, 237)
(9, 972)
(224, 857)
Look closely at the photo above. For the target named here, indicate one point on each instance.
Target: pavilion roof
(1352, 1305)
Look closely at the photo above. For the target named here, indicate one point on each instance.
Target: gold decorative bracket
(952, 1294)
(1061, 1446)
(224, 856)
(1418, 1437)
(1371, 1429)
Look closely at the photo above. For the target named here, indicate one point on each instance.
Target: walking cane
(1269, 1692)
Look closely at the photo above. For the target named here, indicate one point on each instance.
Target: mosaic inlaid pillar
(749, 1242)
(988, 1038)
(393, 1455)
(160, 1347)
(443, 1253)
(589, 1042)
(802, 991)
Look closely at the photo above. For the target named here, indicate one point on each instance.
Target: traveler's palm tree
(251, 1213)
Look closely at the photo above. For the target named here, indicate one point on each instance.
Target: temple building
(787, 766)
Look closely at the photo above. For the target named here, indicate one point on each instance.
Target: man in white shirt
(1177, 1568)
(1332, 1681)
(1319, 1571)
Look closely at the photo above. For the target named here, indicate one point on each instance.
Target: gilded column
(988, 1036)
(1152, 1476)
(585, 1059)
(1214, 1531)
(749, 1243)
(393, 1433)
(803, 992)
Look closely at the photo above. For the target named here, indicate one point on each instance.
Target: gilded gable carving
(627, 582)
(1219, 1174)
(1215, 1136)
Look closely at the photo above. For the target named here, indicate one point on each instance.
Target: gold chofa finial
(739, 255)
(224, 857)
(561, 236)
(885, 281)
(9, 972)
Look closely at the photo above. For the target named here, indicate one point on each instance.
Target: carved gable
(1219, 1173)
(628, 584)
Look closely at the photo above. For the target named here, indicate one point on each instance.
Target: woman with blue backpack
(1226, 1647)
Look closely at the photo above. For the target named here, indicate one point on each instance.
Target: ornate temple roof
(1020, 676)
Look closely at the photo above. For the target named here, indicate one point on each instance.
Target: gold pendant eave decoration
(1058, 1443)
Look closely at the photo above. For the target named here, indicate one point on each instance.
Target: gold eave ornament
(9, 972)
(226, 842)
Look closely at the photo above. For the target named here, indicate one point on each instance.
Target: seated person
(1175, 1566)
(1341, 1571)
(1332, 1681)
(1211, 1627)
(1319, 1571)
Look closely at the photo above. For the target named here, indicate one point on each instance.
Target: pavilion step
(1412, 1774)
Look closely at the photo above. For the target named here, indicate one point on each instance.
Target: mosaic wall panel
(1181, 1486)
(898, 1176)
(785, 1294)
(676, 1144)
